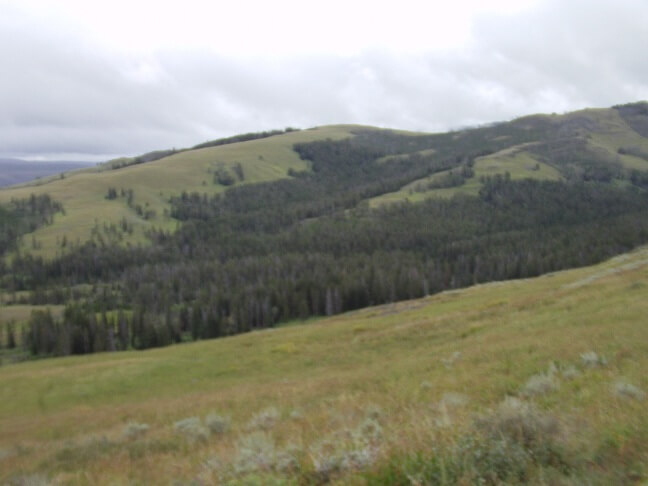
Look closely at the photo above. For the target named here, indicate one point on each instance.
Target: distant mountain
(15, 171)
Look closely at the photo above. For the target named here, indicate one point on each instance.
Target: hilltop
(152, 183)
(597, 144)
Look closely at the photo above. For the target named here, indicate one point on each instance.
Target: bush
(192, 428)
(217, 424)
(265, 419)
(626, 390)
(520, 422)
(369, 430)
(540, 384)
(592, 360)
(256, 452)
(133, 430)
(30, 480)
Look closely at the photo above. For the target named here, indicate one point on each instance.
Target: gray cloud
(61, 94)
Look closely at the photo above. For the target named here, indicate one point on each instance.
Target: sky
(94, 80)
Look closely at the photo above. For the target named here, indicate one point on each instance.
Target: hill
(151, 185)
(532, 381)
(258, 230)
(592, 144)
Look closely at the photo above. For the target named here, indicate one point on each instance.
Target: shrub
(217, 424)
(369, 429)
(592, 360)
(287, 460)
(450, 360)
(494, 460)
(373, 411)
(30, 480)
(358, 451)
(509, 442)
(327, 459)
(426, 385)
(540, 384)
(265, 419)
(192, 428)
(296, 414)
(520, 422)
(256, 451)
(133, 430)
(570, 372)
(453, 400)
(626, 390)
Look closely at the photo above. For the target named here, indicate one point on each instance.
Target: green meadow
(538, 381)
(88, 211)
(518, 163)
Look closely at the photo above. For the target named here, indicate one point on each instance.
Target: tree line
(263, 254)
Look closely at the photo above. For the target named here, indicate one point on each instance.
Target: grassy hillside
(83, 193)
(602, 133)
(514, 160)
(407, 393)
(606, 136)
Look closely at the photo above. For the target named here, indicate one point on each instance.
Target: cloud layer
(63, 92)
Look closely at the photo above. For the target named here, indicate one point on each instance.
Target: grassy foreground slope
(83, 193)
(409, 393)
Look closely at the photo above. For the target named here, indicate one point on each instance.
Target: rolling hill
(257, 230)
(531, 381)
(543, 147)
(83, 193)
(438, 343)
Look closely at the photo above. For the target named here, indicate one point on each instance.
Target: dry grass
(359, 396)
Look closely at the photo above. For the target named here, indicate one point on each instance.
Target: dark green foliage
(636, 116)
(258, 255)
(144, 158)
(635, 151)
(223, 176)
(23, 216)
(10, 331)
(639, 178)
(242, 138)
(238, 170)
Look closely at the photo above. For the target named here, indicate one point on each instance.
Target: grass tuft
(134, 430)
(193, 429)
(540, 385)
(30, 480)
(217, 424)
(628, 391)
(265, 419)
(256, 452)
(592, 360)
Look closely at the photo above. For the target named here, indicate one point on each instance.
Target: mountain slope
(83, 194)
(599, 143)
(375, 396)
(603, 135)
(249, 235)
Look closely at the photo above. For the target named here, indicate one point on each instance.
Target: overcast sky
(93, 79)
